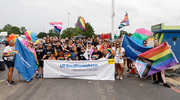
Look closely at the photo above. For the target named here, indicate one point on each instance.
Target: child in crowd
(51, 57)
(60, 55)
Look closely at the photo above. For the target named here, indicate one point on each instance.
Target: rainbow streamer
(110, 50)
(60, 58)
(81, 23)
(13, 51)
(79, 45)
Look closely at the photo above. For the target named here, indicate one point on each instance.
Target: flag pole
(112, 18)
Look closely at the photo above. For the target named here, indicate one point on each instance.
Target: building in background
(3, 35)
(171, 34)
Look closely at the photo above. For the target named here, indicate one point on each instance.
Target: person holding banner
(80, 55)
(40, 54)
(70, 48)
(160, 76)
(96, 54)
(9, 61)
(119, 63)
(49, 50)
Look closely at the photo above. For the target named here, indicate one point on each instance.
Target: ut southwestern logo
(78, 66)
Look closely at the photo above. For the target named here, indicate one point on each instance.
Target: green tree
(68, 32)
(15, 30)
(41, 35)
(53, 32)
(88, 33)
(7, 28)
(23, 29)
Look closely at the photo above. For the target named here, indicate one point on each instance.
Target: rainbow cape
(140, 35)
(155, 60)
(60, 58)
(124, 22)
(13, 51)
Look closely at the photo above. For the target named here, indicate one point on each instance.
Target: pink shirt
(32, 50)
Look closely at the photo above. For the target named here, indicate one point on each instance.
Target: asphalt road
(130, 88)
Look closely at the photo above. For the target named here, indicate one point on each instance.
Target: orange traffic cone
(133, 68)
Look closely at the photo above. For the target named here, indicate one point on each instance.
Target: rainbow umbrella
(31, 36)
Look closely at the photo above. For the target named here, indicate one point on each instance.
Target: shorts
(118, 60)
(41, 63)
(9, 63)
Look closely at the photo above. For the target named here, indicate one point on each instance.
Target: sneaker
(121, 78)
(156, 82)
(37, 76)
(11, 83)
(7, 81)
(166, 85)
(123, 74)
(117, 77)
(42, 75)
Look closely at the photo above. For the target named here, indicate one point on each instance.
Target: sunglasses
(145, 43)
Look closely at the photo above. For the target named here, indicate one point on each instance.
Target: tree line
(68, 32)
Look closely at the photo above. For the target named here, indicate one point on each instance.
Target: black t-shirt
(40, 53)
(58, 57)
(81, 56)
(99, 54)
(69, 48)
(58, 48)
(48, 52)
(95, 43)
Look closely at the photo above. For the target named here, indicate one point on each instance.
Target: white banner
(91, 70)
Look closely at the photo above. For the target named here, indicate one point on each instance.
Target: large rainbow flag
(155, 60)
(140, 35)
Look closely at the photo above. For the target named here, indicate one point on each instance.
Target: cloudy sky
(35, 15)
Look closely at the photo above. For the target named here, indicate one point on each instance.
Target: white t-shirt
(6, 50)
(121, 53)
(114, 48)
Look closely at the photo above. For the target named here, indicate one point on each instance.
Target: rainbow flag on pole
(140, 35)
(124, 22)
(160, 58)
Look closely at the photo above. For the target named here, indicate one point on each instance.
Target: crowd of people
(52, 48)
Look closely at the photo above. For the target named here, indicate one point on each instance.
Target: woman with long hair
(119, 63)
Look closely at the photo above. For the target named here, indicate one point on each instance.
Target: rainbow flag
(81, 23)
(140, 35)
(124, 22)
(160, 57)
